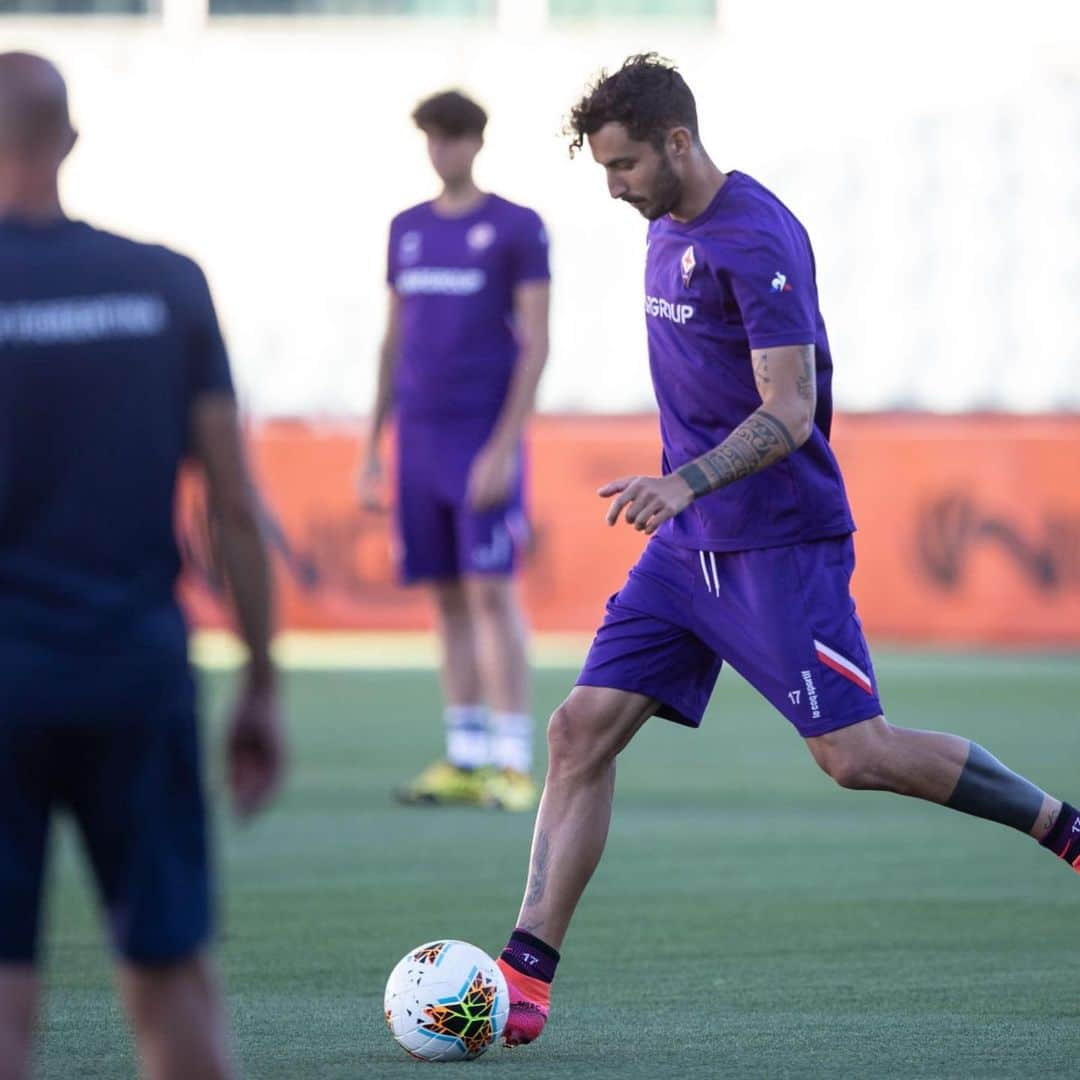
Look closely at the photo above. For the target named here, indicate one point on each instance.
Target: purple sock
(1063, 839)
(531, 956)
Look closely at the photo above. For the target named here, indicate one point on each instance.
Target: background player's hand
(369, 484)
(491, 477)
(649, 501)
(255, 749)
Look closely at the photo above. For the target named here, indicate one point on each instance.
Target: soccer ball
(446, 1001)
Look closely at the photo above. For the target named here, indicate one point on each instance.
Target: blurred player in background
(112, 370)
(751, 553)
(466, 341)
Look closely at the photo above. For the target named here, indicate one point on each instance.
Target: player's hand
(491, 477)
(369, 484)
(648, 501)
(255, 749)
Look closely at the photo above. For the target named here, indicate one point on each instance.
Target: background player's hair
(647, 95)
(450, 113)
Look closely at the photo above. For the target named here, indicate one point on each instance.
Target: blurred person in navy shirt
(112, 373)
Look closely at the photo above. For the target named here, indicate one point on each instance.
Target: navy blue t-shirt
(104, 346)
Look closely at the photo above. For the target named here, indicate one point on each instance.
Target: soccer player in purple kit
(751, 552)
(465, 344)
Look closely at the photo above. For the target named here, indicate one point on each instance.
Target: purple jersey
(738, 277)
(456, 277)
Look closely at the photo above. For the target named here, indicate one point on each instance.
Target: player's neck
(30, 202)
(702, 183)
(458, 199)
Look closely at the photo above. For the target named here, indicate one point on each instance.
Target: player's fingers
(659, 516)
(615, 486)
(615, 509)
(645, 515)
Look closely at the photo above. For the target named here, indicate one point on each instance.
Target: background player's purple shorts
(441, 537)
(782, 617)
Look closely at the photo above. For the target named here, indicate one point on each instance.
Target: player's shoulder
(148, 258)
(514, 213)
(749, 221)
(411, 216)
(750, 208)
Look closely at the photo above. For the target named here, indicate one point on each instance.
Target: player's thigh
(785, 619)
(139, 804)
(593, 725)
(427, 543)
(646, 645)
(490, 542)
(28, 760)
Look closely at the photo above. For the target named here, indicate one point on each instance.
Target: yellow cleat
(506, 789)
(443, 784)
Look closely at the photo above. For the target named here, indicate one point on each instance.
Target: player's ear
(680, 141)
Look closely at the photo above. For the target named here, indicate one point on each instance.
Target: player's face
(452, 155)
(637, 173)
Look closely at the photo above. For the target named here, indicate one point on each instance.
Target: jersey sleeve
(772, 279)
(208, 362)
(529, 252)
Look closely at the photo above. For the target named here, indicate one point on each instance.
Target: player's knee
(853, 768)
(490, 597)
(573, 749)
(451, 600)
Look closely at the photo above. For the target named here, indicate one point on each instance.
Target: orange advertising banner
(969, 528)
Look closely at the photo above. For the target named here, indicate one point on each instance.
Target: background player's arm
(371, 471)
(785, 379)
(493, 469)
(255, 741)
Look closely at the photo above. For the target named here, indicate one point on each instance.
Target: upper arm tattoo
(806, 384)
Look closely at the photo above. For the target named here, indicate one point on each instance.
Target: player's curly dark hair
(647, 95)
(450, 113)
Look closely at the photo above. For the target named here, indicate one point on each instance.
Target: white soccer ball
(446, 1001)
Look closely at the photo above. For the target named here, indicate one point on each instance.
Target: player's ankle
(1063, 837)
(532, 959)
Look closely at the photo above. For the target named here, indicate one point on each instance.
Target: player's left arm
(785, 377)
(494, 467)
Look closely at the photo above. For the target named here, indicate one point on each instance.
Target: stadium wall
(969, 528)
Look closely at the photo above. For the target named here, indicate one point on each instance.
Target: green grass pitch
(749, 919)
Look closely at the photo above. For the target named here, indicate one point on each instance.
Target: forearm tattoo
(756, 443)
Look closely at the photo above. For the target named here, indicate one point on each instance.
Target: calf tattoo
(757, 442)
(987, 789)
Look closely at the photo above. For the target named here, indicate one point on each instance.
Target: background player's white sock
(511, 741)
(468, 745)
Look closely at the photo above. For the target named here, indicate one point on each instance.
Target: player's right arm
(786, 380)
(370, 481)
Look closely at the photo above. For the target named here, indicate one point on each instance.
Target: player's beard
(667, 194)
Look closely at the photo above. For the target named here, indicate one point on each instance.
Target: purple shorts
(441, 536)
(782, 617)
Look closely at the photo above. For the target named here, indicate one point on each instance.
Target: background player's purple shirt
(456, 278)
(738, 277)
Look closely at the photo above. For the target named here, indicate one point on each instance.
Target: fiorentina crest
(688, 263)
